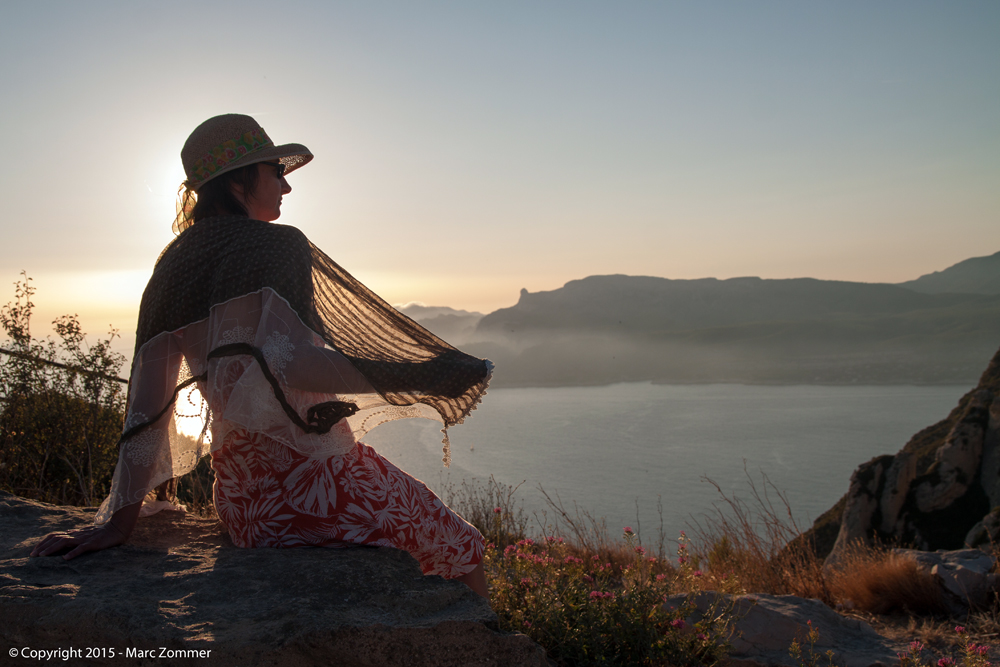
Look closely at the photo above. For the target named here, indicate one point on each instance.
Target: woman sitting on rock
(294, 360)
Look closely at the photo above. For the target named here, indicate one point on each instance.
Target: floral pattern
(238, 334)
(277, 351)
(227, 151)
(269, 495)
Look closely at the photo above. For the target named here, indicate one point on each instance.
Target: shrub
(62, 410)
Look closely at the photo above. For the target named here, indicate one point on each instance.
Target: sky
(467, 150)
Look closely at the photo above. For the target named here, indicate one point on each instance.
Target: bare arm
(91, 538)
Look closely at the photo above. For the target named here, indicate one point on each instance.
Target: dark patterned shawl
(222, 258)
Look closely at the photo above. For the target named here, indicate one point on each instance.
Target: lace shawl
(246, 323)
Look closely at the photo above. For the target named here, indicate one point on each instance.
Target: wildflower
(916, 646)
(701, 636)
(527, 624)
(661, 577)
(960, 629)
(589, 579)
(640, 550)
(527, 582)
(496, 510)
(696, 573)
(682, 560)
(650, 560)
(628, 530)
(677, 623)
(945, 662)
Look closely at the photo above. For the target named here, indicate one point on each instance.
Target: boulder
(956, 462)
(986, 533)
(863, 500)
(180, 585)
(964, 576)
(766, 625)
(935, 493)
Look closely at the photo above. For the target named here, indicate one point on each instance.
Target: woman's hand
(91, 538)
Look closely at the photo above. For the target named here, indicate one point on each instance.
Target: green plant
(587, 611)
(62, 408)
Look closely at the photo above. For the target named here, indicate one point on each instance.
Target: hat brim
(292, 156)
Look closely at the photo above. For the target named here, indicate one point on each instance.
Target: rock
(990, 471)
(766, 625)
(965, 576)
(935, 493)
(863, 499)
(898, 478)
(956, 462)
(986, 533)
(181, 585)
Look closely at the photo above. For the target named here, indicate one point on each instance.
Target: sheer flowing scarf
(319, 358)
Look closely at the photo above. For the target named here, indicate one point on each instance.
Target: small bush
(880, 581)
(62, 409)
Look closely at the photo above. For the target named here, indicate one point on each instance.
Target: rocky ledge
(180, 589)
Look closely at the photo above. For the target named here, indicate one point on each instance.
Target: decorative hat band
(229, 151)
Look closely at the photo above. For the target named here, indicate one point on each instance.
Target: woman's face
(265, 204)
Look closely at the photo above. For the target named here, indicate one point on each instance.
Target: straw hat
(231, 141)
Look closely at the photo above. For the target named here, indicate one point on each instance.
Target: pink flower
(596, 594)
(641, 551)
(496, 510)
(916, 646)
(527, 624)
(696, 573)
(677, 623)
(661, 577)
(960, 629)
(702, 636)
(945, 662)
(589, 579)
(628, 530)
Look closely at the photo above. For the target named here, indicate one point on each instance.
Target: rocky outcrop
(965, 576)
(765, 626)
(937, 493)
(180, 585)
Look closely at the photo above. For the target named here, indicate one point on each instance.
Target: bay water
(615, 450)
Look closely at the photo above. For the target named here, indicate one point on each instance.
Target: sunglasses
(278, 166)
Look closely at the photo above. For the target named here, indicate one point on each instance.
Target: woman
(293, 360)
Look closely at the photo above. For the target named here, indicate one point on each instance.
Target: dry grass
(881, 582)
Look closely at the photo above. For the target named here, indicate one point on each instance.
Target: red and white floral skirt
(269, 495)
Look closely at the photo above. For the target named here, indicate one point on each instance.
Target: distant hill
(618, 328)
(454, 326)
(979, 275)
(633, 304)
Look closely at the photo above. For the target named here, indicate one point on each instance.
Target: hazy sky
(465, 150)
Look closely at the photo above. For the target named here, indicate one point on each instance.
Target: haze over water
(607, 447)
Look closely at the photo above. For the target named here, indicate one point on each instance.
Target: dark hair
(216, 197)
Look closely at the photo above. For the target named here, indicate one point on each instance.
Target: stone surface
(935, 493)
(766, 625)
(180, 584)
(898, 478)
(863, 500)
(965, 576)
(986, 533)
(956, 462)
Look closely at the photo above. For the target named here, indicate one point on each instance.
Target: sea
(661, 458)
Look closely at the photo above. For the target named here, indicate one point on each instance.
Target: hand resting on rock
(91, 538)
